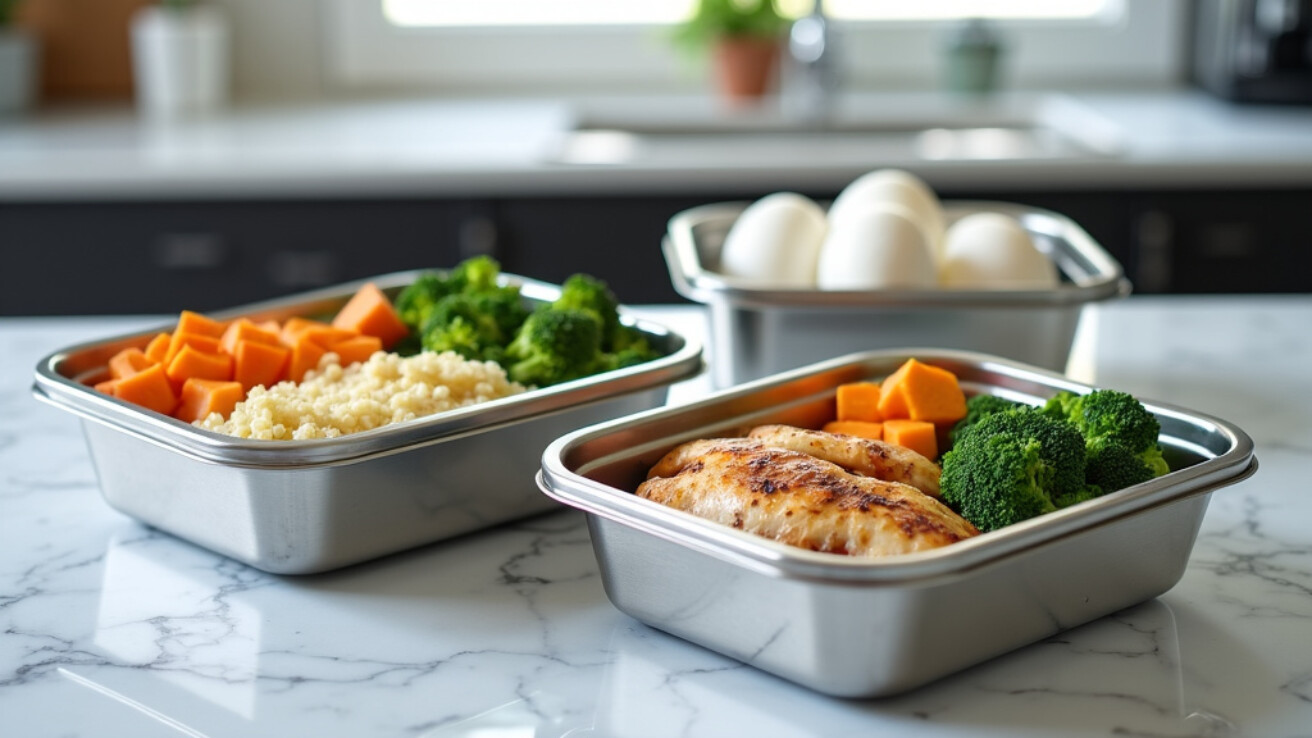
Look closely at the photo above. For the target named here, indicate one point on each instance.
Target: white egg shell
(776, 241)
(993, 251)
(876, 249)
(884, 186)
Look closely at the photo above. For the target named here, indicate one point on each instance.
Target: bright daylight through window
(419, 13)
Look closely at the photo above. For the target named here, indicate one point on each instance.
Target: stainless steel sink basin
(879, 129)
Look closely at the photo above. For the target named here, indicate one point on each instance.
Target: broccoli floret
(1112, 466)
(555, 345)
(583, 292)
(996, 480)
(475, 274)
(458, 335)
(1110, 416)
(979, 407)
(1013, 465)
(504, 308)
(416, 301)
(462, 323)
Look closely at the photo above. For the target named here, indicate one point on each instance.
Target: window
(608, 46)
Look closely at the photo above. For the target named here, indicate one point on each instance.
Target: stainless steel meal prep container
(865, 628)
(756, 332)
(298, 507)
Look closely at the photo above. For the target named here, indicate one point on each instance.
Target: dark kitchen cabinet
(130, 257)
(141, 257)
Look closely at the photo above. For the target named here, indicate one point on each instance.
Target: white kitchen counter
(422, 148)
(108, 628)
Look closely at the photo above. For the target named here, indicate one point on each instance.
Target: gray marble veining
(108, 628)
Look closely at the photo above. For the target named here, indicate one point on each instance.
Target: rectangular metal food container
(866, 628)
(298, 507)
(756, 332)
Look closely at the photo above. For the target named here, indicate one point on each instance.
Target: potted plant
(18, 61)
(180, 58)
(744, 38)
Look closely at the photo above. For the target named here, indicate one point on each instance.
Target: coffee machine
(1254, 50)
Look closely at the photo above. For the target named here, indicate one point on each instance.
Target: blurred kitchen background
(155, 157)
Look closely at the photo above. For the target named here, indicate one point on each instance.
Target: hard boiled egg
(876, 248)
(993, 251)
(896, 187)
(776, 241)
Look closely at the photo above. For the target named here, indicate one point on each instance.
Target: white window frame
(365, 52)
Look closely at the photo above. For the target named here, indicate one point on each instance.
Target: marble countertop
(506, 148)
(108, 628)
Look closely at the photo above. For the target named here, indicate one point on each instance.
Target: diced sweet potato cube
(918, 435)
(127, 362)
(149, 388)
(200, 397)
(859, 401)
(259, 363)
(370, 313)
(192, 362)
(357, 349)
(242, 329)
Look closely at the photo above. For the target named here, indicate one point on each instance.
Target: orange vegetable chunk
(920, 436)
(370, 313)
(259, 363)
(305, 357)
(158, 347)
(192, 362)
(107, 386)
(193, 322)
(319, 332)
(127, 362)
(149, 388)
(918, 391)
(242, 329)
(859, 401)
(198, 341)
(200, 397)
(357, 349)
(862, 428)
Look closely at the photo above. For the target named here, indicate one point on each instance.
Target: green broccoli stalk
(1014, 465)
(555, 345)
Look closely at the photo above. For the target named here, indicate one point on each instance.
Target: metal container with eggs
(812, 285)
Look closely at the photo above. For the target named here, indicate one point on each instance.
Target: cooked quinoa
(334, 401)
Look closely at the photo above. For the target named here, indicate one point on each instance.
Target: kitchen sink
(882, 129)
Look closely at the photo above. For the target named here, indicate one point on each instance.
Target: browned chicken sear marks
(792, 496)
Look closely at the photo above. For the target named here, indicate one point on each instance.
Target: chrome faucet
(810, 44)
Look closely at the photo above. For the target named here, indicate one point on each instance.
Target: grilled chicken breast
(864, 456)
(798, 499)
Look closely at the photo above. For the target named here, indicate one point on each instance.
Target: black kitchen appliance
(1254, 50)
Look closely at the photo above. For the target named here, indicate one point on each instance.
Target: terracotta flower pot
(745, 66)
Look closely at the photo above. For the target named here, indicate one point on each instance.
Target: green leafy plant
(714, 19)
(8, 9)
